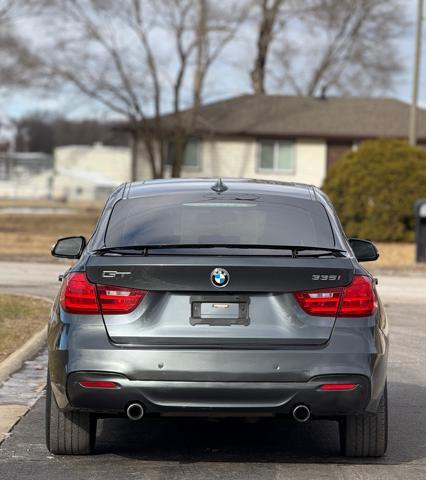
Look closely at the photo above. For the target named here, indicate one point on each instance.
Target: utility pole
(412, 136)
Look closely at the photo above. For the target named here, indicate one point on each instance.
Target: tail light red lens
(359, 299)
(355, 300)
(321, 303)
(116, 300)
(78, 295)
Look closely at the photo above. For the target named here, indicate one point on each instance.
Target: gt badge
(114, 274)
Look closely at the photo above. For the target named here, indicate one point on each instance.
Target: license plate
(223, 310)
(220, 310)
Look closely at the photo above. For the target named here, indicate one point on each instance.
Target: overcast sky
(228, 81)
(404, 90)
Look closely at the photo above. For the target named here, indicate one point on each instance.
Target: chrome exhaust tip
(301, 413)
(135, 411)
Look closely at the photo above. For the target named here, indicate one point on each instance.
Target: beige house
(250, 158)
(284, 138)
(89, 172)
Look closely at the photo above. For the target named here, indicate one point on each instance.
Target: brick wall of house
(336, 149)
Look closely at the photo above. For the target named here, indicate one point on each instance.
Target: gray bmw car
(231, 297)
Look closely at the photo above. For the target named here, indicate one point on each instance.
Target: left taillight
(80, 296)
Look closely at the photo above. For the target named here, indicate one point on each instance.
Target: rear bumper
(207, 398)
(182, 380)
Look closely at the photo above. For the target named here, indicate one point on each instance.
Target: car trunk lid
(184, 308)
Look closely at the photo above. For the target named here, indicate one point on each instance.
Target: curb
(16, 359)
(11, 414)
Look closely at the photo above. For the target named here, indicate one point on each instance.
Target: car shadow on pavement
(267, 441)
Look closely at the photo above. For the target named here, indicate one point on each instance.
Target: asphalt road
(31, 277)
(197, 449)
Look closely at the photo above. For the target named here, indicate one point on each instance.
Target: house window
(277, 156)
(191, 158)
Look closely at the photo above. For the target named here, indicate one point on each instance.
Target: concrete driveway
(196, 449)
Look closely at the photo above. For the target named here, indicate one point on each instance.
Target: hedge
(374, 189)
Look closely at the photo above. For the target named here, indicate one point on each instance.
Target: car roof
(234, 185)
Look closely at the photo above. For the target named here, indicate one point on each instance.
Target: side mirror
(364, 250)
(69, 247)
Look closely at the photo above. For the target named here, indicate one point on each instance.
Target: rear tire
(68, 433)
(366, 435)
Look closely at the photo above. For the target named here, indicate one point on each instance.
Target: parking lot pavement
(197, 449)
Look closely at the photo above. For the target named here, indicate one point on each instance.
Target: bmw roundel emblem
(219, 277)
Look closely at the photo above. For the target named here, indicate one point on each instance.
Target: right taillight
(355, 300)
(358, 299)
(320, 303)
(80, 296)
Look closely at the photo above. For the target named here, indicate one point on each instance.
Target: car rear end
(243, 302)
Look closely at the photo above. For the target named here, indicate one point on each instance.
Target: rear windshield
(194, 218)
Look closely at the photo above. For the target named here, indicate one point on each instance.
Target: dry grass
(396, 255)
(31, 236)
(20, 318)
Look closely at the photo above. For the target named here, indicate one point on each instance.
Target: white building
(26, 175)
(89, 172)
(8, 132)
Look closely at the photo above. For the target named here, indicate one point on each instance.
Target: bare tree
(5, 8)
(143, 59)
(112, 52)
(345, 46)
(16, 61)
(212, 31)
(269, 13)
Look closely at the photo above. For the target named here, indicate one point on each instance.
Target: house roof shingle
(292, 116)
